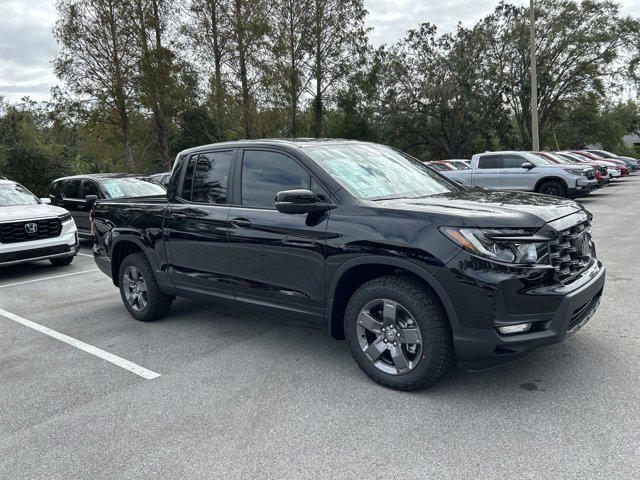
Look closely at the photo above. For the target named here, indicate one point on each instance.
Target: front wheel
(140, 291)
(554, 188)
(398, 333)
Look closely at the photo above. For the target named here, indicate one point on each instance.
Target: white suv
(30, 229)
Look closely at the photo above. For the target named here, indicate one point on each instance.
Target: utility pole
(535, 136)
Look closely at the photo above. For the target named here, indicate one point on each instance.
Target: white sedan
(31, 229)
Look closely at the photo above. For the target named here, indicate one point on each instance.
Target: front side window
(131, 187)
(90, 188)
(376, 172)
(211, 176)
(72, 189)
(512, 161)
(12, 194)
(264, 174)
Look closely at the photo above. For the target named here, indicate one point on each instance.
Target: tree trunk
(159, 103)
(293, 73)
(318, 71)
(218, 90)
(246, 98)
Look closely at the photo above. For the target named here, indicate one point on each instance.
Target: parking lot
(243, 394)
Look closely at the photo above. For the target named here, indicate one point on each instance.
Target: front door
(197, 223)
(276, 258)
(514, 177)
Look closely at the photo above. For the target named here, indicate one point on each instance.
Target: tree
(288, 67)
(248, 33)
(578, 45)
(339, 40)
(209, 30)
(96, 58)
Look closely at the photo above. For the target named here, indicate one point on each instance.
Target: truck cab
(525, 172)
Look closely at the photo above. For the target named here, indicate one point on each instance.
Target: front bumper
(485, 299)
(65, 245)
(583, 187)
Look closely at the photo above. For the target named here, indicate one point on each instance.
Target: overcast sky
(27, 46)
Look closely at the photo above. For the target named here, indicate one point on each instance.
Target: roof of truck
(288, 142)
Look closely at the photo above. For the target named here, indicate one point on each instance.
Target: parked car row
(564, 174)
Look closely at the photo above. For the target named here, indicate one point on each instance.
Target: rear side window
(489, 161)
(264, 174)
(512, 161)
(211, 177)
(187, 184)
(71, 189)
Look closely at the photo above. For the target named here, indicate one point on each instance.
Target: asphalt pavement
(244, 394)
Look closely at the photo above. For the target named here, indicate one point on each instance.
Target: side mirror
(90, 200)
(46, 201)
(528, 165)
(299, 201)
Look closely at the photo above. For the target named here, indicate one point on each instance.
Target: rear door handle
(241, 222)
(179, 216)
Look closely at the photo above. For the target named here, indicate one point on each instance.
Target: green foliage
(149, 78)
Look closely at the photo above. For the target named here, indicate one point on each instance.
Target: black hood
(490, 208)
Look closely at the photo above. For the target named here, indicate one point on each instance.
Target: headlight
(65, 217)
(505, 245)
(574, 171)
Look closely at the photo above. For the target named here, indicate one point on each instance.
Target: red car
(624, 169)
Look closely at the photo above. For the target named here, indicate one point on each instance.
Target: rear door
(276, 258)
(488, 172)
(197, 223)
(513, 176)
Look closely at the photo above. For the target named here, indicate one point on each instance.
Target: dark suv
(78, 193)
(413, 269)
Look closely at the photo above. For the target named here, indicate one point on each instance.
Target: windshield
(542, 160)
(459, 165)
(557, 158)
(131, 187)
(12, 194)
(376, 172)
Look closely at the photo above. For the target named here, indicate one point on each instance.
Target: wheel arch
(544, 180)
(122, 248)
(353, 273)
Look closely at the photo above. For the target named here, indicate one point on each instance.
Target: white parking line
(48, 278)
(109, 357)
(85, 254)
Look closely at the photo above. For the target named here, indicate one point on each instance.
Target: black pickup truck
(412, 269)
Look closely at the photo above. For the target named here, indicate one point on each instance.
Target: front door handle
(241, 222)
(179, 216)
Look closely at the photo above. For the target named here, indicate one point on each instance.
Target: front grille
(33, 253)
(570, 251)
(15, 232)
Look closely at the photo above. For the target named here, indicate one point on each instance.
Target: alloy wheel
(389, 336)
(135, 288)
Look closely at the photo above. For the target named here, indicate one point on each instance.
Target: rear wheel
(61, 262)
(140, 291)
(398, 333)
(553, 187)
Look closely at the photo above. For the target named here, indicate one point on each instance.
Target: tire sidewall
(561, 189)
(423, 314)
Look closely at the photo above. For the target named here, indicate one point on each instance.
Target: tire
(152, 304)
(553, 187)
(415, 306)
(61, 262)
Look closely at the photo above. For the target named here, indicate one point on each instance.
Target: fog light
(518, 328)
